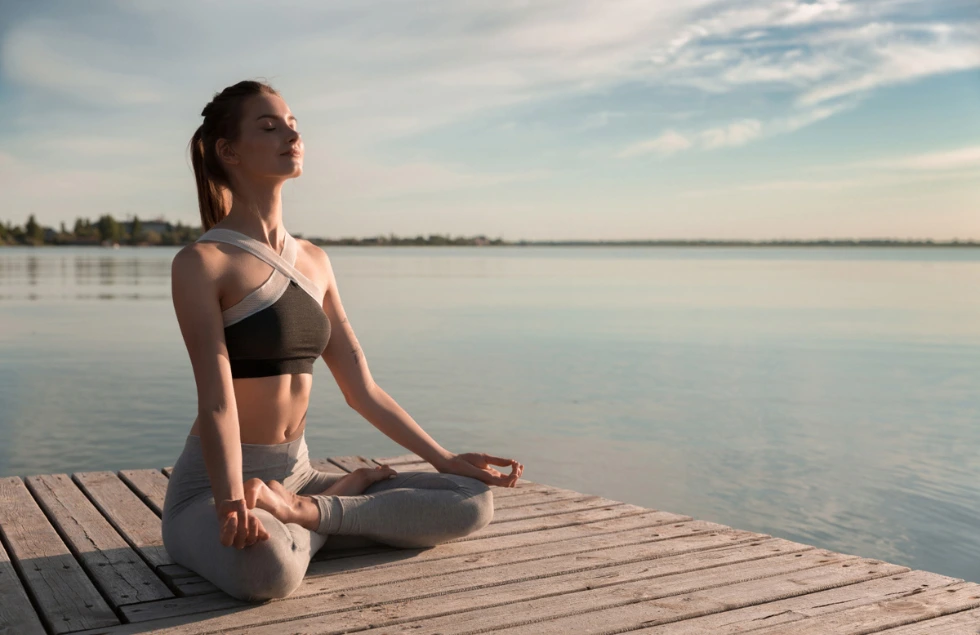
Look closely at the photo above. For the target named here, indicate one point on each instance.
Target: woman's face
(269, 146)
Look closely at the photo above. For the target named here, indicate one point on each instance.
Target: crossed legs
(413, 509)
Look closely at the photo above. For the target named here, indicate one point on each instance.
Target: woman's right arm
(194, 290)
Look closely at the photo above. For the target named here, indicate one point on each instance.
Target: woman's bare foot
(288, 507)
(273, 498)
(357, 481)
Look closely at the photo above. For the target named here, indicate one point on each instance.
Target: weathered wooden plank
(548, 509)
(750, 618)
(195, 586)
(149, 485)
(66, 598)
(631, 606)
(128, 514)
(190, 605)
(890, 613)
(962, 623)
(174, 571)
(118, 571)
(331, 552)
(324, 465)
(535, 498)
(411, 457)
(521, 488)
(351, 463)
(167, 471)
(612, 509)
(17, 616)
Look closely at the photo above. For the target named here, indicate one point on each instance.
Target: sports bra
(279, 328)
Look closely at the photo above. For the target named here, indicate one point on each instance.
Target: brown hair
(222, 120)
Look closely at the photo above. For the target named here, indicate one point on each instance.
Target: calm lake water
(824, 395)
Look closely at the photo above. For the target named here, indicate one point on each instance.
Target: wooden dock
(83, 554)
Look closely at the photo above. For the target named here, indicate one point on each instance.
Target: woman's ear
(225, 152)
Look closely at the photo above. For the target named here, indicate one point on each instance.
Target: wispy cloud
(50, 57)
(958, 159)
(669, 142)
(734, 134)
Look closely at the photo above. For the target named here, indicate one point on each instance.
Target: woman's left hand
(477, 465)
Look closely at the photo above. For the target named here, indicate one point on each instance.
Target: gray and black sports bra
(279, 328)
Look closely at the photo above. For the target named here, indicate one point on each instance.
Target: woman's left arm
(349, 368)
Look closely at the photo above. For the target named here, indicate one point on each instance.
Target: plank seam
(139, 494)
(579, 499)
(125, 537)
(916, 621)
(74, 553)
(531, 531)
(22, 578)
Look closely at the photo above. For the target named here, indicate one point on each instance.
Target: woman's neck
(257, 211)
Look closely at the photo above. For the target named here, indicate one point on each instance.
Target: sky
(537, 120)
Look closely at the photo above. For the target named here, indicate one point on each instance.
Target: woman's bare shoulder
(198, 259)
(318, 256)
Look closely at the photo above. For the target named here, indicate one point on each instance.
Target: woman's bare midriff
(271, 410)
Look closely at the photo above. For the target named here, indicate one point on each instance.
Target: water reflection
(825, 396)
(65, 272)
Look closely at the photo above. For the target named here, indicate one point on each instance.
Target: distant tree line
(107, 230)
(104, 230)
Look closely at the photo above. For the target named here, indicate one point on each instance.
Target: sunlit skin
(271, 410)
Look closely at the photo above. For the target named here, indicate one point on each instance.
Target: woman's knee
(477, 509)
(263, 571)
(267, 569)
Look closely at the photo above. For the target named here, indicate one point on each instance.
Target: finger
(261, 532)
(242, 532)
(253, 530)
(465, 468)
(497, 460)
(228, 529)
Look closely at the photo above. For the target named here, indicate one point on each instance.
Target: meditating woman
(244, 508)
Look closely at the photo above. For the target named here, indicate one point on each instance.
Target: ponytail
(210, 198)
(222, 117)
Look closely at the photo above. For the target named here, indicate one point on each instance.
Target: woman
(256, 307)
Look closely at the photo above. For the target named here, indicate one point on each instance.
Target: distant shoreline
(107, 232)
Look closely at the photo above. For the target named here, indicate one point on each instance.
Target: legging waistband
(276, 460)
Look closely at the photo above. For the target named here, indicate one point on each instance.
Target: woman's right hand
(237, 524)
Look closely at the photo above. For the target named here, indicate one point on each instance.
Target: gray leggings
(413, 509)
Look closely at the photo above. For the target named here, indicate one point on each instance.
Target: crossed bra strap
(266, 254)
